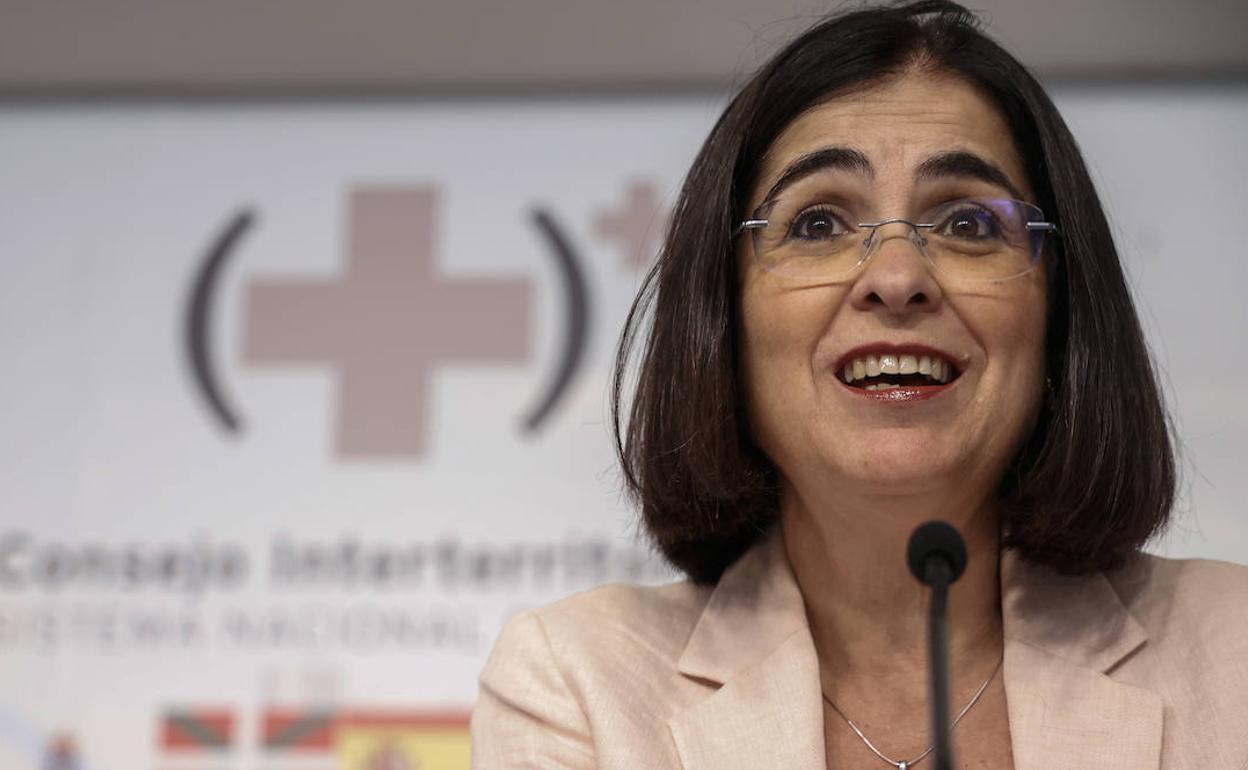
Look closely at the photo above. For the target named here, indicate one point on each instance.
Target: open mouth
(889, 371)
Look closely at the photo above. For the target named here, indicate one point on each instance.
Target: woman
(888, 295)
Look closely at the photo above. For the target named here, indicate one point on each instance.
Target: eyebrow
(826, 159)
(959, 164)
(965, 165)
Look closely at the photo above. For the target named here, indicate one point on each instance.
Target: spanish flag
(374, 740)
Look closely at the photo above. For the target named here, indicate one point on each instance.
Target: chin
(898, 462)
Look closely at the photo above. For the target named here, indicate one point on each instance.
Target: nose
(897, 276)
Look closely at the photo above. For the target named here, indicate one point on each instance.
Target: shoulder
(1175, 599)
(592, 675)
(652, 609)
(1192, 611)
(608, 629)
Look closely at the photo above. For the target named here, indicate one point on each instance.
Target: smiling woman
(888, 295)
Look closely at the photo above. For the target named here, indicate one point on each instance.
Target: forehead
(897, 125)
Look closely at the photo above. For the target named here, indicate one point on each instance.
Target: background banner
(301, 401)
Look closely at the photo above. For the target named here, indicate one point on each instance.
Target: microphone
(936, 555)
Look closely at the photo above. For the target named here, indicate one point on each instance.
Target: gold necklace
(906, 764)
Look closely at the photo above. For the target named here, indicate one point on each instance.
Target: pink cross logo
(387, 322)
(637, 226)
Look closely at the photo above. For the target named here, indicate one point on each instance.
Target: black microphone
(937, 556)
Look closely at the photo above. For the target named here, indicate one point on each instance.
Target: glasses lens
(807, 240)
(984, 238)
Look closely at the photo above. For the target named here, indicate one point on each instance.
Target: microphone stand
(938, 577)
(936, 555)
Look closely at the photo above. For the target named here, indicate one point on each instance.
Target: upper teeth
(890, 363)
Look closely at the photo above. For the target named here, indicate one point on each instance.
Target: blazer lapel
(753, 641)
(1063, 635)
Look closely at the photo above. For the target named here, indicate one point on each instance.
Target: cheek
(1016, 339)
(1032, 328)
(780, 333)
(763, 355)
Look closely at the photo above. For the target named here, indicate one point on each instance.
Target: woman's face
(798, 335)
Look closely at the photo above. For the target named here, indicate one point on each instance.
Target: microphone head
(935, 538)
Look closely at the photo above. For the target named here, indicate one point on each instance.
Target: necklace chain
(905, 764)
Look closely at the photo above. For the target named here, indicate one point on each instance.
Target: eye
(970, 222)
(817, 224)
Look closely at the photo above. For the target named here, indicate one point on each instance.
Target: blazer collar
(752, 638)
(754, 608)
(1063, 636)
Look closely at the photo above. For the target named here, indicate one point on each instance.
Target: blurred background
(307, 309)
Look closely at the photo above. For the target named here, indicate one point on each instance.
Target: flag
(368, 740)
(404, 742)
(198, 729)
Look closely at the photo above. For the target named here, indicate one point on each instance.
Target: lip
(902, 394)
(905, 393)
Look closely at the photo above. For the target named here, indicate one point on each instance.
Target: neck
(867, 613)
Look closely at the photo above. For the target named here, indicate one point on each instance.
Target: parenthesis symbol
(197, 323)
(577, 302)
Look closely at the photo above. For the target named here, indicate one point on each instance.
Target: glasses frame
(1040, 225)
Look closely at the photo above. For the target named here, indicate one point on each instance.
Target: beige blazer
(1145, 667)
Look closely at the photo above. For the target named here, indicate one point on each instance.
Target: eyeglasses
(972, 239)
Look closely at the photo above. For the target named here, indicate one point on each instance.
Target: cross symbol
(637, 226)
(387, 322)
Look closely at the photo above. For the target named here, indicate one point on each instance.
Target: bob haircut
(1096, 477)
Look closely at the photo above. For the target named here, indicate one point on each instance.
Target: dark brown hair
(1095, 479)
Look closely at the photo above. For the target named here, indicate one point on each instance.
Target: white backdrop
(173, 592)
